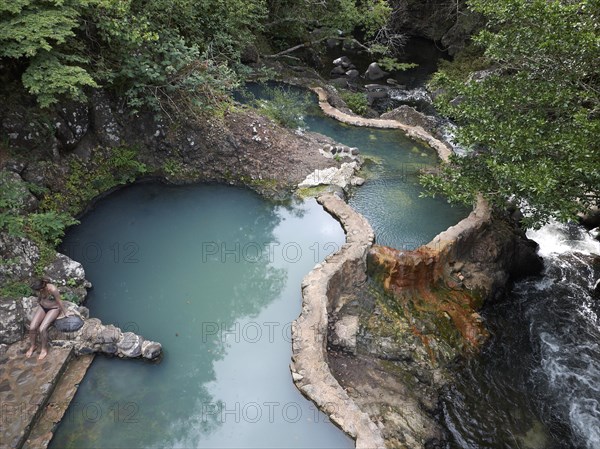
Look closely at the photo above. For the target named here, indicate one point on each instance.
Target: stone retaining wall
(322, 291)
(324, 288)
(416, 132)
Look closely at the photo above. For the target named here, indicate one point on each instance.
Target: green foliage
(166, 55)
(50, 226)
(38, 30)
(393, 65)
(470, 59)
(28, 27)
(48, 79)
(87, 180)
(15, 290)
(285, 107)
(46, 229)
(291, 22)
(71, 297)
(173, 167)
(532, 124)
(356, 101)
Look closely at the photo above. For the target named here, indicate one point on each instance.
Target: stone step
(26, 385)
(43, 430)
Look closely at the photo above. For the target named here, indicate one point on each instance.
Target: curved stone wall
(416, 132)
(322, 291)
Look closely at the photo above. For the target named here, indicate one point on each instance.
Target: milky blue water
(213, 273)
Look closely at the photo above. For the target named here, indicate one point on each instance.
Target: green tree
(40, 31)
(292, 24)
(158, 54)
(531, 123)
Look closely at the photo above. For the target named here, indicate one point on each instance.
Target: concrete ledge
(416, 132)
(26, 385)
(447, 242)
(322, 291)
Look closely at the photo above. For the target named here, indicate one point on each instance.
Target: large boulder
(410, 116)
(16, 191)
(374, 72)
(342, 61)
(130, 345)
(19, 256)
(69, 276)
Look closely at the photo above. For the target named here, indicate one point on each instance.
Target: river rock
(352, 73)
(410, 116)
(68, 324)
(331, 176)
(63, 270)
(151, 350)
(318, 177)
(342, 61)
(374, 72)
(357, 181)
(337, 71)
(130, 345)
(93, 336)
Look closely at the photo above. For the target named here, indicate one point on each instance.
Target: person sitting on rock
(50, 307)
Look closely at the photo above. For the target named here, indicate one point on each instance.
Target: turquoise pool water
(391, 199)
(213, 273)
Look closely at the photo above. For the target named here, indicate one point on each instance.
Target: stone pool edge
(416, 132)
(322, 289)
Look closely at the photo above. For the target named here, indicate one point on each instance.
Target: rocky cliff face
(394, 341)
(240, 147)
(438, 289)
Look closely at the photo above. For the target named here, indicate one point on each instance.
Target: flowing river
(537, 384)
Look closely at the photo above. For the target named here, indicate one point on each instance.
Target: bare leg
(33, 327)
(48, 319)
